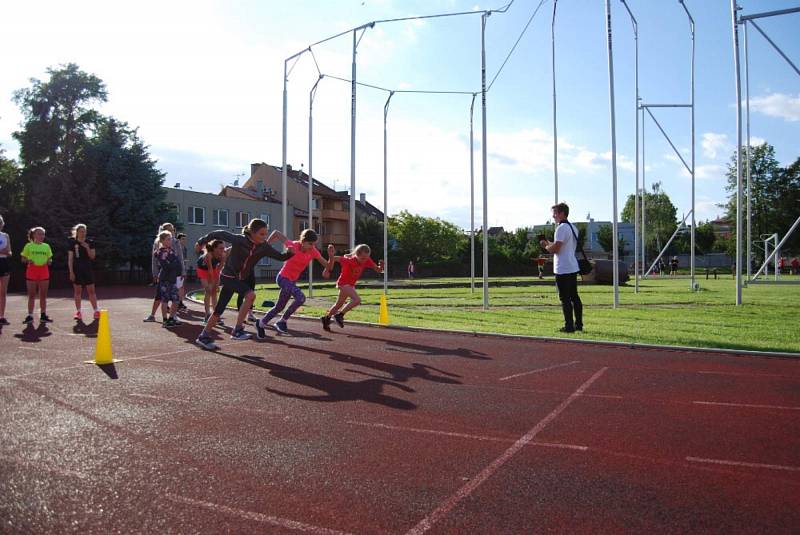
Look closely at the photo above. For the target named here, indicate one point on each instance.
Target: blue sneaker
(205, 342)
(239, 334)
(261, 333)
(281, 327)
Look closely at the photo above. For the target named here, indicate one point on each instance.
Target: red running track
(371, 430)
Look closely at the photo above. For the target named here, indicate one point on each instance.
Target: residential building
(201, 213)
(723, 228)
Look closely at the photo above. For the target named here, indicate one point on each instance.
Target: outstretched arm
(277, 235)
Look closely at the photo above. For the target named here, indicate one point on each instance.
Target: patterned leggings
(288, 290)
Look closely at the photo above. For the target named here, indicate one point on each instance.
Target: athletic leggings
(288, 290)
(251, 282)
(230, 286)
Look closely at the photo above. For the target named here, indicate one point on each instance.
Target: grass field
(664, 311)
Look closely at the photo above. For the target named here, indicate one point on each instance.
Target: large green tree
(775, 194)
(425, 239)
(660, 214)
(369, 230)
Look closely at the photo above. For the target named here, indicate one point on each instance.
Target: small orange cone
(103, 353)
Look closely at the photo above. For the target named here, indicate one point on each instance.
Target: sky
(202, 81)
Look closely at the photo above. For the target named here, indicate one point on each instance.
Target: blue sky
(202, 81)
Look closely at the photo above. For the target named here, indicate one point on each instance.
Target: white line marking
(539, 370)
(746, 405)
(741, 374)
(464, 435)
(36, 349)
(750, 465)
(149, 396)
(258, 517)
(426, 523)
(210, 378)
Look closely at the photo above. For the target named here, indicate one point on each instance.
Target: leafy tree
(605, 237)
(704, 237)
(369, 230)
(11, 193)
(425, 239)
(661, 216)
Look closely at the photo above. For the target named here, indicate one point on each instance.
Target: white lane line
(749, 465)
(463, 435)
(258, 517)
(36, 349)
(426, 523)
(746, 405)
(742, 374)
(539, 370)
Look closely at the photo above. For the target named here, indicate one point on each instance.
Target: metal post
(692, 235)
(778, 247)
(353, 148)
(471, 198)
(485, 173)
(283, 165)
(738, 153)
(748, 155)
(385, 200)
(636, 229)
(555, 128)
(613, 153)
(644, 196)
(311, 95)
(664, 249)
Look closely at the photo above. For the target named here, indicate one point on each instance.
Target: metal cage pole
(385, 199)
(748, 154)
(613, 153)
(644, 194)
(283, 164)
(471, 198)
(311, 95)
(737, 73)
(692, 235)
(352, 238)
(636, 229)
(485, 15)
(555, 127)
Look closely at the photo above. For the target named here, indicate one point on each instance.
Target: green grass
(664, 311)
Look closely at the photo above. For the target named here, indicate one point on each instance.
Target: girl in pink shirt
(304, 252)
(353, 265)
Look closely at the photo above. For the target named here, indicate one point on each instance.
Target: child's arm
(22, 257)
(277, 235)
(70, 259)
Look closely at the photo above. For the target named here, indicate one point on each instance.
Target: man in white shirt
(565, 266)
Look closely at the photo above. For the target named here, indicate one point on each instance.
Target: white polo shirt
(564, 261)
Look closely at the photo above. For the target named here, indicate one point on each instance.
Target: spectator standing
(673, 266)
(565, 267)
(795, 265)
(410, 269)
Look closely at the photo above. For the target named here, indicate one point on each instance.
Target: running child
(209, 266)
(304, 252)
(155, 267)
(5, 270)
(169, 269)
(80, 256)
(353, 265)
(246, 250)
(38, 256)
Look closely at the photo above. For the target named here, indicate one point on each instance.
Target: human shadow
(33, 334)
(335, 390)
(397, 373)
(89, 330)
(421, 349)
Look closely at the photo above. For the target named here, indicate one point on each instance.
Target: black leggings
(230, 286)
(251, 282)
(570, 301)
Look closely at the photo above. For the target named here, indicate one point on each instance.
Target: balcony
(335, 239)
(340, 215)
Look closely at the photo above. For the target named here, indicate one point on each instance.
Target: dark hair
(213, 244)
(561, 208)
(309, 235)
(181, 235)
(254, 226)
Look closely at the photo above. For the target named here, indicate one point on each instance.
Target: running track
(371, 430)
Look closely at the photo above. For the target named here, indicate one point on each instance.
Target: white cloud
(714, 144)
(710, 171)
(786, 107)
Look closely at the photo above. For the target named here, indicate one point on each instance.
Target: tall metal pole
(613, 154)
(485, 173)
(471, 198)
(353, 148)
(644, 196)
(636, 229)
(385, 200)
(555, 128)
(692, 238)
(311, 95)
(748, 153)
(284, 229)
(738, 262)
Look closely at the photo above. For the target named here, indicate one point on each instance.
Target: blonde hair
(163, 235)
(2, 222)
(33, 230)
(166, 226)
(362, 248)
(76, 228)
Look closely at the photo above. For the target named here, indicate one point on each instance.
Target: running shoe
(176, 322)
(169, 322)
(44, 318)
(261, 333)
(326, 323)
(97, 314)
(77, 316)
(239, 334)
(251, 317)
(206, 342)
(28, 319)
(339, 319)
(150, 319)
(281, 327)
(4, 321)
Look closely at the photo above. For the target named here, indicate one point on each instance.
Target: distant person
(155, 267)
(781, 264)
(169, 269)
(182, 279)
(353, 265)
(38, 256)
(540, 263)
(565, 267)
(661, 268)
(209, 266)
(80, 258)
(5, 270)
(795, 267)
(673, 266)
(410, 269)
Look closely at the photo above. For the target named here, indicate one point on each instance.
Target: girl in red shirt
(209, 266)
(353, 265)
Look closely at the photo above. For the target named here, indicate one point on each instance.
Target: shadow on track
(420, 349)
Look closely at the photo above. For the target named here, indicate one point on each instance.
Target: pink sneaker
(97, 314)
(77, 315)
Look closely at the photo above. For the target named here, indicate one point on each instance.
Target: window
(177, 209)
(219, 218)
(315, 204)
(266, 219)
(303, 224)
(197, 215)
(242, 219)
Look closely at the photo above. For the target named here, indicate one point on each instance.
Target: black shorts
(5, 268)
(83, 277)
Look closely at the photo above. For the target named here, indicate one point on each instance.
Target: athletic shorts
(179, 282)
(206, 275)
(37, 273)
(168, 291)
(84, 277)
(5, 268)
